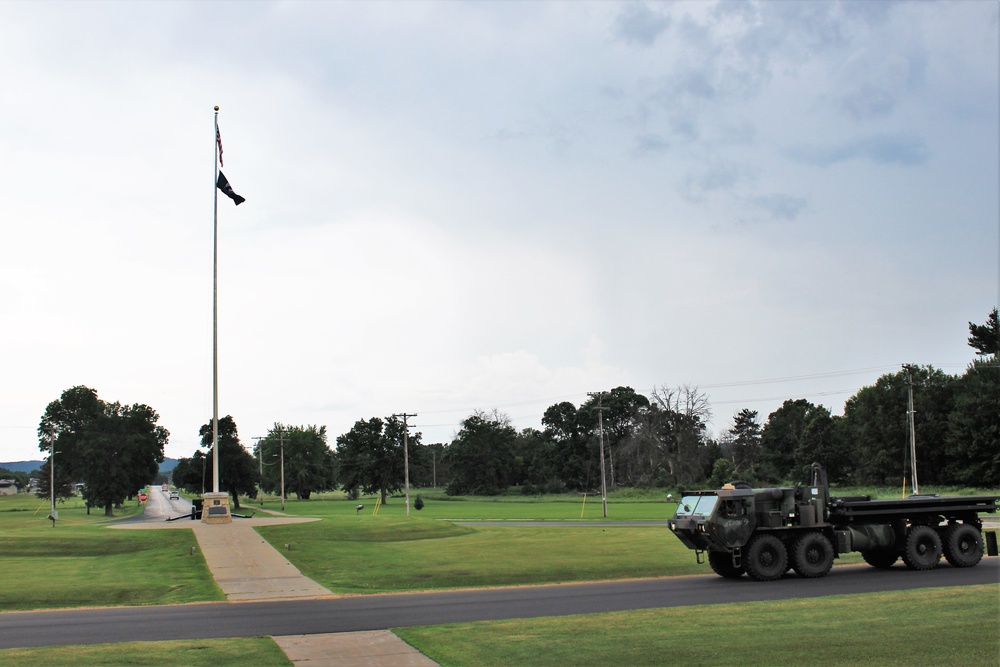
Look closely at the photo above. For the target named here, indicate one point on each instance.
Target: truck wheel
(812, 555)
(923, 548)
(722, 565)
(963, 545)
(883, 559)
(766, 558)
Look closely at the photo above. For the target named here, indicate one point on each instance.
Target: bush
(418, 504)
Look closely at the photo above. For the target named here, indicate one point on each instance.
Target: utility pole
(281, 440)
(406, 459)
(913, 429)
(600, 423)
(52, 484)
(260, 465)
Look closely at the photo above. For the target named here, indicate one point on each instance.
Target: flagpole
(215, 313)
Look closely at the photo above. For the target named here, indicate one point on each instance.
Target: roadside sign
(142, 497)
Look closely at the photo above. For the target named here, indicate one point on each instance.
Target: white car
(174, 495)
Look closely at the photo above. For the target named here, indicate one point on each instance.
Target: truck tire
(812, 555)
(923, 548)
(963, 545)
(766, 558)
(722, 564)
(883, 559)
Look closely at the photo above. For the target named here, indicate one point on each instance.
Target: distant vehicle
(165, 487)
(174, 495)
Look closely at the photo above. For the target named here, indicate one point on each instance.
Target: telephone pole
(260, 466)
(913, 429)
(406, 458)
(600, 423)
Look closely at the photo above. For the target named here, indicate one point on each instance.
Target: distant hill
(24, 466)
(28, 466)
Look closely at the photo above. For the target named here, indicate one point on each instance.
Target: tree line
(660, 440)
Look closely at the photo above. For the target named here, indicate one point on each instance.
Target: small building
(8, 487)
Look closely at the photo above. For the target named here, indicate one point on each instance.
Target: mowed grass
(501, 508)
(193, 653)
(953, 626)
(83, 562)
(365, 554)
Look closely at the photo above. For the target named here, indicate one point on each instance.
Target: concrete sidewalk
(247, 567)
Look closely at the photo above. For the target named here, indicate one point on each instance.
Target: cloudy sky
(455, 206)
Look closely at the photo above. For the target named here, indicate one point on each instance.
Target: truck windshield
(696, 505)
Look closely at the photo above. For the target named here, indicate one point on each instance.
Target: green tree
(985, 338)
(482, 455)
(781, 437)
(237, 468)
(621, 408)
(875, 427)
(65, 488)
(309, 462)
(370, 457)
(192, 474)
(973, 439)
(744, 443)
(796, 435)
(113, 449)
(569, 438)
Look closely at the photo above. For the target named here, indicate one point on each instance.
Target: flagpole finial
(216, 107)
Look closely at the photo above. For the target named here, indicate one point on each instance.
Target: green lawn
(82, 562)
(381, 554)
(501, 508)
(194, 653)
(932, 627)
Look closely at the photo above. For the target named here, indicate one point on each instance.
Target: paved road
(377, 612)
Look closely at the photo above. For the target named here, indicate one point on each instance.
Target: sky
(460, 206)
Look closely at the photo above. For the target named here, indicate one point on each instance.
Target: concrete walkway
(247, 567)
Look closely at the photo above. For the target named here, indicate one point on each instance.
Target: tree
(65, 488)
(780, 437)
(428, 466)
(482, 455)
(972, 443)
(191, 474)
(796, 435)
(621, 406)
(985, 338)
(370, 457)
(309, 462)
(113, 449)
(237, 468)
(572, 455)
(678, 419)
(744, 443)
(875, 427)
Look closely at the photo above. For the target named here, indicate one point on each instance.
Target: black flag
(227, 189)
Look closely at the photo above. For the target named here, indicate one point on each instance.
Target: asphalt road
(378, 612)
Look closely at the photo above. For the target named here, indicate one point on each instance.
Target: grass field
(260, 651)
(932, 627)
(80, 562)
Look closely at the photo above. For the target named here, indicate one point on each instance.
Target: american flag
(218, 140)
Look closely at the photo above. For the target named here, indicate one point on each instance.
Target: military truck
(767, 532)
